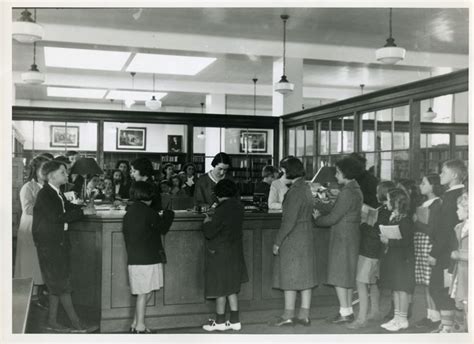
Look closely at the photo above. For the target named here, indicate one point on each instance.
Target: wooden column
(414, 134)
(315, 146)
(190, 143)
(357, 132)
(100, 143)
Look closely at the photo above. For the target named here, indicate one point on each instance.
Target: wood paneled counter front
(100, 277)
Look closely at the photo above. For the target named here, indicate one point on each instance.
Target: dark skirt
(225, 270)
(397, 270)
(55, 267)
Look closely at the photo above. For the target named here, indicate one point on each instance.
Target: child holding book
(398, 260)
(425, 219)
(459, 289)
(452, 175)
(368, 262)
(225, 268)
(142, 230)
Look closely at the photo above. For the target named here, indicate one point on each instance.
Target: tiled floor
(38, 317)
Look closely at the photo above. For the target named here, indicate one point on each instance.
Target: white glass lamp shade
(153, 103)
(390, 55)
(33, 76)
(27, 32)
(430, 114)
(284, 86)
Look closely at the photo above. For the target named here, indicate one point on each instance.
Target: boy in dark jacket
(142, 230)
(452, 175)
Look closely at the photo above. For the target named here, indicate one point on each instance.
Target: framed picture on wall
(175, 143)
(131, 138)
(61, 136)
(253, 141)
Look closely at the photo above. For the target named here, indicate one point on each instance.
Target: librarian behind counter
(204, 195)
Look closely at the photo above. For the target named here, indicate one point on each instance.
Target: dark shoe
(132, 330)
(279, 322)
(41, 305)
(339, 319)
(425, 323)
(304, 322)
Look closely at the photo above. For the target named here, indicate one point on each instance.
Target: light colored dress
(26, 261)
(277, 193)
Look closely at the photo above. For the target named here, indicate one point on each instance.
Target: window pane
(308, 165)
(348, 135)
(442, 106)
(400, 165)
(401, 127)
(336, 136)
(324, 138)
(368, 133)
(384, 129)
(291, 141)
(385, 166)
(371, 164)
(462, 140)
(461, 107)
(401, 140)
(300, 144)
(309, 139)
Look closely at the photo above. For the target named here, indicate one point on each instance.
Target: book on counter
(423, 215)
(369, 215)
(391, 232)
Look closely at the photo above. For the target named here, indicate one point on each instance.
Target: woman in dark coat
(344, 220)
(225, 268)
(294, 267)
(51, 215)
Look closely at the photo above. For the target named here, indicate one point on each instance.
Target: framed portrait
(131, 138)
(175, 144)
(61, 136)
(253, 141)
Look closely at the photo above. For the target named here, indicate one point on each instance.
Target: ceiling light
(68, 92)
(284, 86)
(169, 64)
(254, 96)
(129, 101)
(26, 30)
(85, 58)
(390, 53)
(153, 103)
(201, 135)
(430, 114)
(33, 76)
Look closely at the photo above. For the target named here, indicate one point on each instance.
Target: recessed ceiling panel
(169, 64)
(135, 95)
(75, 92)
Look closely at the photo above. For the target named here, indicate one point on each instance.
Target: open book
(369, 215)
(325, 175)
(391, 232)
(423, 214)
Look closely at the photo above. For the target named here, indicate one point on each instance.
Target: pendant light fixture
(390, 53)
(254, 96)
(26, 30)
(429, 115)
(201, 135)
(129, 101)
(33, 76)
(153, 103)
(284, 86)
(362, 88)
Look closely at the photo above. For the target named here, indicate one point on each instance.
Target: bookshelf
(157, 159)
(199, 163)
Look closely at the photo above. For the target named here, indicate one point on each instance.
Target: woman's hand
(431, 261)
(207, 218)
(316, 213)
(383, 239)
(276, 250)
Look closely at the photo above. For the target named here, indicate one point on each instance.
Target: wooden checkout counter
(100, 277)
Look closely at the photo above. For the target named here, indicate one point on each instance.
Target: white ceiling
(337, 46)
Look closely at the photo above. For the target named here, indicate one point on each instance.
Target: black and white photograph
(131, 138)
(286, 171)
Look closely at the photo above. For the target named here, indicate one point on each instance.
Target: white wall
(156, 136)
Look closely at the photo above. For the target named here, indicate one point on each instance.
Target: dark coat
(370, 244)
(444, 237)
(368, 185)
(262, 188)
(142, 230)
(295, 265)
(51, 240)
(344, 220)
(225, 268)
(397, 265)
(124, 191)
(433, 219)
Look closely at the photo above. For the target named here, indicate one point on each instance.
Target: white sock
(350, 310)
(429, 314)
(435, 316)
(345, 311)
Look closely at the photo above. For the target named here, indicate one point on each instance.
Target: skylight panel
(85, 58)
(169, 64)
